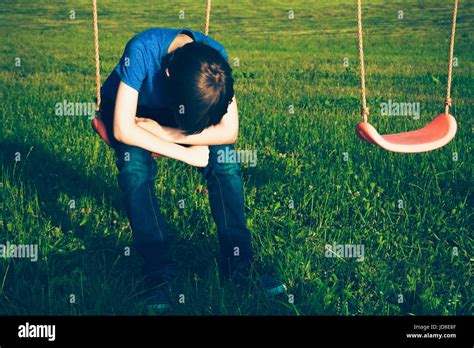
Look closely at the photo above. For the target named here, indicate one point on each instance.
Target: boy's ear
(167, 72)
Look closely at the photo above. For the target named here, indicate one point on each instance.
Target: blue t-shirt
(141, 65)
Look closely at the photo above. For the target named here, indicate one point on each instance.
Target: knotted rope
(207, 18)
(365, 109)
(448, 100)
(97, 57)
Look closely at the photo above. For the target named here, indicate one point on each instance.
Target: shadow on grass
(50, 176)
(79, 260)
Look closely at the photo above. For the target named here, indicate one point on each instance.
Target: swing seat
(99, 127)
(437, 133)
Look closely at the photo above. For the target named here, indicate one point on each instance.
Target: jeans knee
(222, 160)
(136, 167)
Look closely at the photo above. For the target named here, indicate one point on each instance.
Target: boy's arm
(127, 131)
(225, 132)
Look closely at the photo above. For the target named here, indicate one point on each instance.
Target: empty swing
(97, 124)
(440, 131)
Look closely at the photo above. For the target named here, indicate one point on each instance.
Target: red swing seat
(440, 131)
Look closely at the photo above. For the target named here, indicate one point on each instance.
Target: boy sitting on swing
(172, 94)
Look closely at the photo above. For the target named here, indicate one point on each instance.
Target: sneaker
(272, 286)
(266, 283)
(158, 300)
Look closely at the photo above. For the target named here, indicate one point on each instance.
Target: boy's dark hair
(200, 86)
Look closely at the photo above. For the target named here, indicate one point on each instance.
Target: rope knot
(448, 102)
(365, 112)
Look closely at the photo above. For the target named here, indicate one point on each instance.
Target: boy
(173, 88)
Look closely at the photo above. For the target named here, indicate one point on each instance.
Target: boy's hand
(197, 156)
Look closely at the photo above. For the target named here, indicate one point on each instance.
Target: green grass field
(412, 213)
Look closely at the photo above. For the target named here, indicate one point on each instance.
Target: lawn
(315, 183)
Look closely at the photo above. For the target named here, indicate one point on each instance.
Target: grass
(63, 194)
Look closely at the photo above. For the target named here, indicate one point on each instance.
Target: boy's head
(199, 86)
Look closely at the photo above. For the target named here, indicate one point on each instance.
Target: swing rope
(365, 109)
(207, 18)
(97, 57)
(448, 101)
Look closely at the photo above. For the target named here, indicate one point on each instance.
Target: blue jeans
(137, 170)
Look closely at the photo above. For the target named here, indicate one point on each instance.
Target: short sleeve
(132, 68)
(223, 53)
